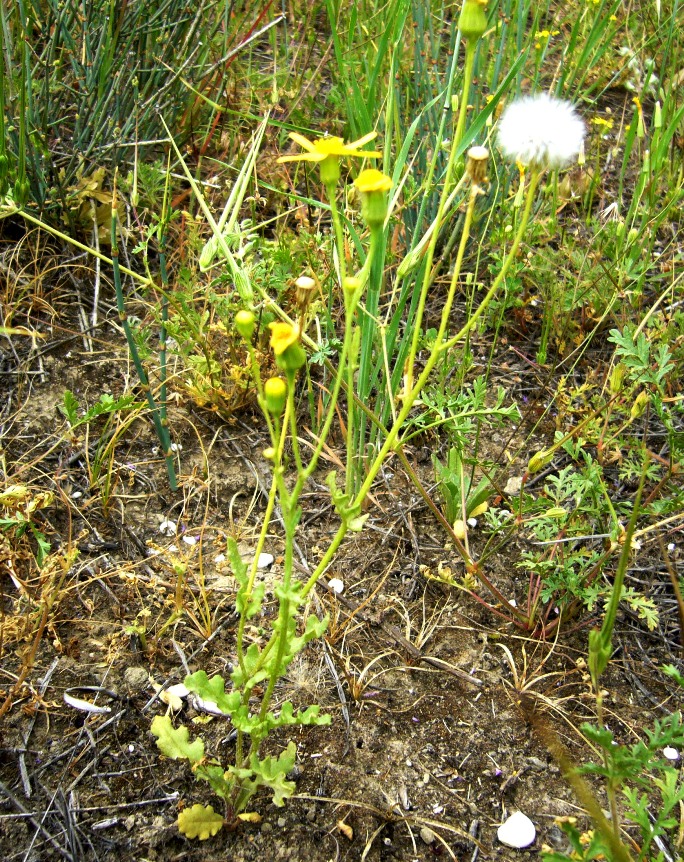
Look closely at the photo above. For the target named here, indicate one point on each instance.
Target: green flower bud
(617, 377)
(641, 402)
(275, 393)
(292, 358)
(473, 19)
(373, 185)
(539, 460)
(245, 323)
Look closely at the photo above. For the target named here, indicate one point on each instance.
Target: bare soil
(431, 745)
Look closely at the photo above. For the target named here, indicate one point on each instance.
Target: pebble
(427, 836)
(136, 677)
(670, 753)
(265, 561)
(336, 585)
(513, 485)
(518, 831)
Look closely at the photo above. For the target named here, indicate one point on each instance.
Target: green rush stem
(471, 48)
(162, 334)
(160, 427)
(365, 344)
(446, 189)
(339, 379)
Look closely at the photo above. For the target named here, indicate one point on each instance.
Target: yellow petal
(302, 141)
(302, 157)
(354, 145)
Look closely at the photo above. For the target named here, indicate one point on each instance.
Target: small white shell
(518, 831)
(167, 528)
(336, 585)
(670, 753)
(265, 561)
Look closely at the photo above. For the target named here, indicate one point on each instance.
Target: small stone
(266, 827)
(670, 753)
(513, 485)
(190, 540)
(282, 822)
(167, 528)
(427, 836)
(265, 561)
(135, 678)
(336, 585)
(518, 831)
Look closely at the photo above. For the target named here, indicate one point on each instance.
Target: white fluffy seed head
(541, 131)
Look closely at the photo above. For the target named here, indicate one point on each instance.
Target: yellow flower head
(282, 336)
(372, 180)
(323, 148)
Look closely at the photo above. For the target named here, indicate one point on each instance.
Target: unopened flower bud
(641, 402)
(244, 323)
(373, 185)
(539, 460)
(472, 21)
(617, 377)
(658, 116)
(269, 454)
(275, 393)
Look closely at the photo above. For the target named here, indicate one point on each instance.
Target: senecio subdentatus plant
(538, 133)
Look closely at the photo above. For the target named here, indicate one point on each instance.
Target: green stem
(510, 257)
(265, 524)
(283, 631)
(337, 226)
(360, 355)
(440, 346)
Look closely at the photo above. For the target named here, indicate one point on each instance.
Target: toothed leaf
(200, 821)
(173, 741)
